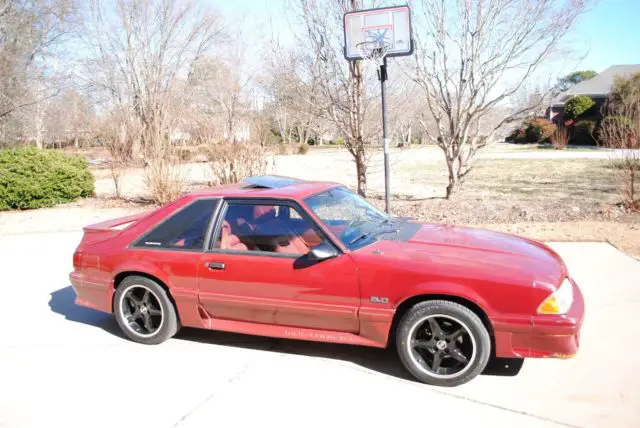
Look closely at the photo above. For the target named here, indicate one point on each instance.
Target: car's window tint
(266, 227)
(185, 229)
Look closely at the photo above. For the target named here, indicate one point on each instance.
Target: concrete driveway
(66, 366)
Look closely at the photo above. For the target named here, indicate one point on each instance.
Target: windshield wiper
(373, 231)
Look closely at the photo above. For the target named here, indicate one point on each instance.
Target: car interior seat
(275, 234)
(240, 219)
(229, 241)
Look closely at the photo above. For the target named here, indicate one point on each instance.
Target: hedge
(32, 178)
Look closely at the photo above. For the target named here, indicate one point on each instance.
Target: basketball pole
(382, 76)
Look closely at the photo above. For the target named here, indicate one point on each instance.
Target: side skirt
(287, 332)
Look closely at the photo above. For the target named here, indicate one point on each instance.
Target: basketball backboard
(387, 28)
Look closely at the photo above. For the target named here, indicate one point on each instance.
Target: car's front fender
(451, 289)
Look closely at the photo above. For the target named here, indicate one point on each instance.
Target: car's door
(257, 269)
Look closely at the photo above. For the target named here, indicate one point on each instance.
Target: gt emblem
(375, 299)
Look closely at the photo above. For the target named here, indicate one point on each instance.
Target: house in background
(598, 88)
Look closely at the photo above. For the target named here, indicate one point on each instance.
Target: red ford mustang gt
(280, 257)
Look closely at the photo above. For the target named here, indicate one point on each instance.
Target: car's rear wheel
(144, 311)
(443, 343)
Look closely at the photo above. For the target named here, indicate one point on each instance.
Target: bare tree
(219, 93)
(472, 56)
(293, 95)
(74, 118)
(620, 130)
(261, 125)
(29, 31)
(120, 133)
(341, 84)
(140, 51)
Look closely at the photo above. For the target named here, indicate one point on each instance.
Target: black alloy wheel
(443, 343)
(144, 310)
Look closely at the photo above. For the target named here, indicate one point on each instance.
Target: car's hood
(479, 239)
(493, 250)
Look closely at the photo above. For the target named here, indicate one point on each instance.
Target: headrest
(264, 212)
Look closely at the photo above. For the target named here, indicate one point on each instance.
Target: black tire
(154, 307)
(420, 343)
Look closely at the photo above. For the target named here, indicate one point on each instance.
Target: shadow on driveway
(62, 302)
(384, 361)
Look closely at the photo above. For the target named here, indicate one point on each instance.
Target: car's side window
(273, 228)
(184, 230)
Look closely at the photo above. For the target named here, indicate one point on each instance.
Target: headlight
(559, 301)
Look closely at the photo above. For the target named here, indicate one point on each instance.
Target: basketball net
(373, 52)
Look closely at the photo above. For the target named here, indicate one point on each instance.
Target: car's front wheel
(443, 343)
(144, 311)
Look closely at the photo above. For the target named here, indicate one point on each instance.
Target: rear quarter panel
(103, 260)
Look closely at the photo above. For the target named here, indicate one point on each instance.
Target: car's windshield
(346, 214)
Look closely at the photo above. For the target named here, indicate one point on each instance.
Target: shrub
(577, 106)
(164, 178)
(539, 130)
(303, 149)
(583, 132)
(284, 149)
(230, 163)
(623, 127)
(185, 154)
(32, 178)
(518, 135)
(560, 138)
(625, 91)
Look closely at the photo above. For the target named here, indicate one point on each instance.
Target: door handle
(216, 266)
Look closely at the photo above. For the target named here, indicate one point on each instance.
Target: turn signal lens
(559, 301)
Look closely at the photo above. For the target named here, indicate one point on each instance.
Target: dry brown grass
(547, 200)
(624, 236)
(516, 190)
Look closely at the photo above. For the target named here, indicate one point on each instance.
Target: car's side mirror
(323, 251)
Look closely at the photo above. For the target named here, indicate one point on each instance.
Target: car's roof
(267, 186)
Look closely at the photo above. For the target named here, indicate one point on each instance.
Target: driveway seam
(496, 406)
(232, 379)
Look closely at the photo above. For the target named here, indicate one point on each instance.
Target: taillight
(76, 259)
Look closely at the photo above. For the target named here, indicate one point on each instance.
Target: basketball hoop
(374, 51)
(372, 35)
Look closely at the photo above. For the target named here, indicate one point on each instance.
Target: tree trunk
(361, 172)
(115, 174)
(454, 176)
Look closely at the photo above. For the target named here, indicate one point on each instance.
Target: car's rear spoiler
(102, 231)
(119, 223)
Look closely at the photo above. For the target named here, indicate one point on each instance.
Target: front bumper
(543, 336)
